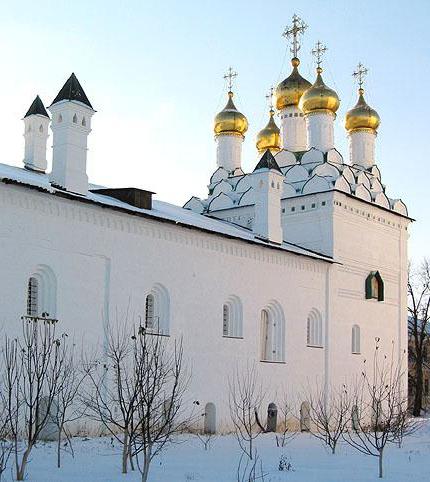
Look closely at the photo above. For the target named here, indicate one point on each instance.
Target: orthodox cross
(297, 28)
(360, 74)
(269, 98)
(318, 52)
(229, 76)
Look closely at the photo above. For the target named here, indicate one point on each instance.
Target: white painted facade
(35, 135)
(320, 130)
(270, 269)
(362, 147)
(293, 129)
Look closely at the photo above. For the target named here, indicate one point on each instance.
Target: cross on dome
(360, 74)
(297, 28)
(229, 76)
(269, 98)
(318, 51)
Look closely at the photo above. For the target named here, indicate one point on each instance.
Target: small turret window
(41, 128)
(60, 118)
(84, 122)
(75, 119)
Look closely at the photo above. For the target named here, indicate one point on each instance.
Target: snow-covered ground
(97, 460)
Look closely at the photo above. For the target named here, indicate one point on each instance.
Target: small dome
(319, 97)
(270, 136)
(230, 120)
(289, 91)
(362, 116)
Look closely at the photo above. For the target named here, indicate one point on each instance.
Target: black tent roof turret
(72, 90)
(37, 108)
(267, 161)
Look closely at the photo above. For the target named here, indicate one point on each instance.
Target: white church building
(297, 266)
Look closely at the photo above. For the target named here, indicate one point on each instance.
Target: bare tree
(245, 399)
(6, 443)
(206, 439)
(32, 370)
(330, 414)
(379, 408)
(113, 397)
(250, 469)
(287, 433)
(162, 381)
(67, 406)
(419, 329)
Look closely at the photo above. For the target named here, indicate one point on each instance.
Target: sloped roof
(37, 108)
(267, 161)
(72, 90)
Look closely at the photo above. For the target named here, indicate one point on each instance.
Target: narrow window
(314, 331)
(225, 320)
(355, 342)
(41, 128)
(33, 297)
(149, 312)
(84, 122)
(60, 118)
(272, 333)
(267, 343)
(75, 119)
(374, 286)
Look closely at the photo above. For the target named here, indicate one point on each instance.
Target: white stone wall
(293, 129)
(320, 126)
(229, 151)
(362, 148)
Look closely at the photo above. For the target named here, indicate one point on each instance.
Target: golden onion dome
(362, 116)
(319, 97)
(230, 120)
(270, 136)
(289, 91)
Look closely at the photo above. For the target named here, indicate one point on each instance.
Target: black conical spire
(72, 90)
(267, 161)
(37, 108)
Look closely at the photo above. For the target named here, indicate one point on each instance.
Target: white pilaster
(320, 129)
(229, 151)
(362, 147)
(35, 135)
(293, 129)
(71, 125)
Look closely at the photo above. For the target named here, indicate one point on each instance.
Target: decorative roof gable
(267, 161)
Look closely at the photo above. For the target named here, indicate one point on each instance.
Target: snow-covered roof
(162, 211)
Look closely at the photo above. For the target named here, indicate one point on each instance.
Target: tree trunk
(20, 474)
(59, 449)
(381, 453)
(145, 471)
(125, 453)
(418, 395)
(333, 449)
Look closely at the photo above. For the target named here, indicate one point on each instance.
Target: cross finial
(318, 51)
(360, 74)
(229, 76)
(269, 98)
(292, 32)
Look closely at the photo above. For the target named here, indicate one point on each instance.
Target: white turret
(36, 122)
(71, 124)
(230, 126)
(362, 123)
(319, 104)
(267, 181)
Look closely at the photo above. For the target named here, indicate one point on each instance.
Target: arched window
(272, 333)
(355, 339)
(32, 297)
(60, 118)
(232, 318)
(374, 286)
(41, 128)
(314, 331)
(75, 119)
(157, 310)
(210, 418)
(84, 122)
(42, 292)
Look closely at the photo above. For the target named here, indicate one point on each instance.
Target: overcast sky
(153, 70)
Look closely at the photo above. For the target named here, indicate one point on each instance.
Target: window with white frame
(272, 333)
(157, 310)
(42, 293)
(355, 339)
(232, 318)
(314, 331)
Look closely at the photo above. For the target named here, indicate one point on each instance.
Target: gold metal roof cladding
(230, 120)
(289, 91)
(362, 116)
(319, 97)
(269, 137)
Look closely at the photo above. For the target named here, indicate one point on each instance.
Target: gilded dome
(270, 136)
(289, 91)
(319, 97)
(362, 116)
(230, 120)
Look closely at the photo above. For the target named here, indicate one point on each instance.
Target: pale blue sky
(153, 71)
